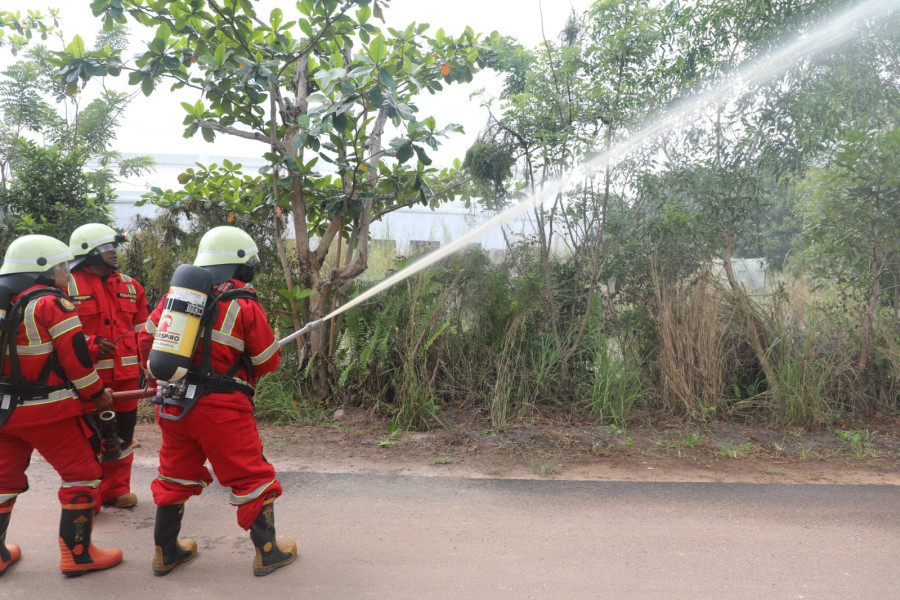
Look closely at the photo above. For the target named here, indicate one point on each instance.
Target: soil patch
(866, 451)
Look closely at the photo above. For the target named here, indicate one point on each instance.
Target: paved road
(398, 537)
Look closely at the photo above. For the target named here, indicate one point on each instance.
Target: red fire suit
(112, 307)
(221, 426)
(51, 330)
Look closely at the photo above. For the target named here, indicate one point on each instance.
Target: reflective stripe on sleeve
(265, 354)
(65, 326)
(86, 381)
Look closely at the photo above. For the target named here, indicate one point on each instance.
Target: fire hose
(303, 330)
(134, 394)
(149, 392)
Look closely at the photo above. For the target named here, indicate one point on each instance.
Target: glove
(104, 347)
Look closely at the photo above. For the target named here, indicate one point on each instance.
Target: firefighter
(111, 306)
(236, 348)
(48, 377)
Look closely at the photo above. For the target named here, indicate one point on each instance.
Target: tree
(722, 164)
(319, 90)
(56, 165)
(850, 203)
(564, 104)
(52, 194)
(17, 31)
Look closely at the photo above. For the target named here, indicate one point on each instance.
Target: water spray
(832, 34)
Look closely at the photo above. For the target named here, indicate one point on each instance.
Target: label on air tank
(187, 295)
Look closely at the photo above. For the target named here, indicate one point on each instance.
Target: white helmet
(29, 257)
(223, 250)
(89, 241)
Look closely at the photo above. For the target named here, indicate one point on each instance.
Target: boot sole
(262, 572)
(89, 570)
(169, 568)
(8, 566)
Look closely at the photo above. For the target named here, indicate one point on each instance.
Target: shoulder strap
(208, 322)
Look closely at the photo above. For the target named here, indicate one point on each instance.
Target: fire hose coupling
(303, 330)
(108, 430)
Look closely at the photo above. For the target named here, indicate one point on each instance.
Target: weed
(859, 442)
(280, 401)
(614, 384)
(701, 415)
(740, 451)
(549, 464)
(441, 461)
(692, 439)
(390, 439)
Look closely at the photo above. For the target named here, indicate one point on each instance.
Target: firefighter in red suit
(235, 349)
(48, 378)
(112, 307)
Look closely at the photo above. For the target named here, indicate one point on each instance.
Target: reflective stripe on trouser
(230, 440)
(63, 444)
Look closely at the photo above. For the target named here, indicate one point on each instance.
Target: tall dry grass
(691, 332)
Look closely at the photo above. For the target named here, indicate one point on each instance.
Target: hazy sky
(153, 125)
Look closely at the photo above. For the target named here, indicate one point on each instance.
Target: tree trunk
(865, 340)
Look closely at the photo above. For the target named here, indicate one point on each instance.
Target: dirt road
(410, 537)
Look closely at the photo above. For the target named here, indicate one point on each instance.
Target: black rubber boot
(170, 551)
(270, 553)
(77, 554)
(9, 553)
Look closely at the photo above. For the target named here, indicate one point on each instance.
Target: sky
(153, 125)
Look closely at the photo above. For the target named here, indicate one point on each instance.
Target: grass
(739, 451)
(859, 442)
(279, 401)
(390, 439)
(546, 464)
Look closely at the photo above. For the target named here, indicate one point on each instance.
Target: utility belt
(186, 392)
(14, 393)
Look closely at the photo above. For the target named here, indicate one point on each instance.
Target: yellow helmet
(223, 250)
(89, 241)
(30, 256)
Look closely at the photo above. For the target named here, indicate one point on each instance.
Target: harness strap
(202, 380)
(15, 389)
